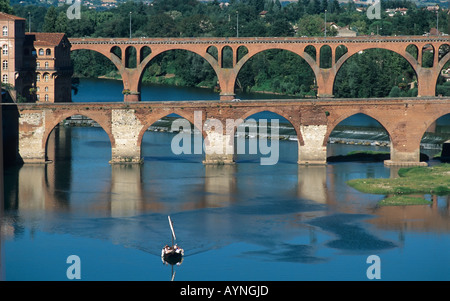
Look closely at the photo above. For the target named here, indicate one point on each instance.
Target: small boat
(172, 254)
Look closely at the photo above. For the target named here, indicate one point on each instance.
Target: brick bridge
(119, 50)
(405, 120)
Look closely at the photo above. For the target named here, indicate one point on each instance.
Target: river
(242, 222)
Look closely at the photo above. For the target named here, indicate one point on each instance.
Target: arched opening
(276, 71)
(427, 56)
(227, 57)
(178, 75)
(266, 138)
(358, 137)
(59, 145)
(80, 151)
(325, 57)
(212, 50)
(117, 51)
(95, 82)
(443, 51)
(130, 57)
(172, 139)
(443, 81)
(311, 50)
(413, 50)
(435, 142)
(375, 73)
(144, 52)
(241, 52)
(340, 51)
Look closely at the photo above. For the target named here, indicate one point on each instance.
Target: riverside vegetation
(434, 180)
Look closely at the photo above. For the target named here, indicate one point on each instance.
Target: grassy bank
(414, 180)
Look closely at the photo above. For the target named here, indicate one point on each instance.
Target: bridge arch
(145, 63)
(153, 118)
(273, 113)
(377, 116)
(302, 56)
(348, 56)
(114, 59)
(96, 116)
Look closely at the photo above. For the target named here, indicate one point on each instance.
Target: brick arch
(97, 117)
(272, 110)
(332, 123)
(109, 55)
(429, 120)
(149, 121)
(407, 56)
(156, 52)
(311, 62)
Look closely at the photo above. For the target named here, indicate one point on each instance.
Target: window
(46, 97)
(46, 65)
(5, 31)
(41, 51)
(38, 78)
(46, 89)
(5, 65)
(5, 49)
(38, 89)
(5, 78)
(48, 52)
(38, 65)
(38, 97)
(46, 77)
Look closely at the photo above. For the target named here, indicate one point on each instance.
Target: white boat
(172, 254)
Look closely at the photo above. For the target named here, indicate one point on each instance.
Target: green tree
(50, 20)
(6, 7)
(310, 25)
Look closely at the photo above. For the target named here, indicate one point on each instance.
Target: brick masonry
(405, 120)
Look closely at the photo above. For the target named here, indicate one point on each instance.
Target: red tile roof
(47, 38)
(5, 16)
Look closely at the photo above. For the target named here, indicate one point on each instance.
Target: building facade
(36, 67)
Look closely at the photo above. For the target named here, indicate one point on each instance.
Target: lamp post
(325, 23)
(29, 22)
(237, 24)
(130, 25)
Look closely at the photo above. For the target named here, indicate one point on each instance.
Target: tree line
(271, 71)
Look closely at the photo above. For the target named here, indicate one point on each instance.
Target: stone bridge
(404, 119)
(118, 50)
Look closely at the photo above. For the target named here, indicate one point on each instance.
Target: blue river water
(241, 222)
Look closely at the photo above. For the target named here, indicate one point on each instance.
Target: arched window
(46, 65)
(41, 51)
(38, 78)
(46, 77)
(5, 31)
(46, 89)
(5, 65)
(5, 49)
(48, 51)
(5, 78)
(38, 97)
(46, 97)
(38, 65)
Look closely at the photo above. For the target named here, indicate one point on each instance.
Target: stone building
(35, 66)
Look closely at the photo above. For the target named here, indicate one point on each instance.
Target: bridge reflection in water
(44, 188)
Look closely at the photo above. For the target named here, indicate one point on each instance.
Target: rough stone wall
(125, 129)
(31, 136)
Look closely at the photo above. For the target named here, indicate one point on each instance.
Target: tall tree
(50, 20)
(5, 7)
